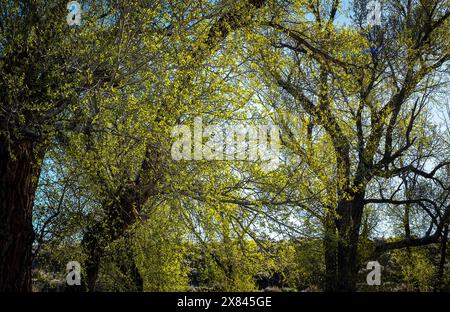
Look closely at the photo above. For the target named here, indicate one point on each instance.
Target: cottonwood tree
(177, 83)
(49, 71)
(360, 94)
(44, 66)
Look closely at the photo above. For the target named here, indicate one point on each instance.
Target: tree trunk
(120, 215)
(20, 165)
(93, 245)
(330, 248)
(343, 255)
(441, 267)
(349, 224)
(129, 268)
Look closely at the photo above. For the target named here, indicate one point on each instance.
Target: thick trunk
(132, 271)
(342, 257)
(347, 265)
(94, 243)
(94, 247)
(120, 216)
(129, 268)
(349, 224)
(330, 249)
(20, 165)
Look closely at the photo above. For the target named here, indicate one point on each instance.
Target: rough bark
(341, 254)
(330, 249)
(348, 225)
(20, 165)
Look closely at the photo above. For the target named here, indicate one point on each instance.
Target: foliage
(363, 166)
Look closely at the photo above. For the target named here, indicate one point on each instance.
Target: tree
(363, 111)
(87, 112)
(122, 208)
(49, 70)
